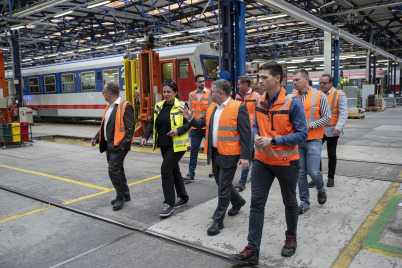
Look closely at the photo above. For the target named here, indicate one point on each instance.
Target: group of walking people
(282, 133)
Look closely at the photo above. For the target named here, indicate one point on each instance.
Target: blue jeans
(196, 136)
(244, 173)
(262, 177)
(310, 158)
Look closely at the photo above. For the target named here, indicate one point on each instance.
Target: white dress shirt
(199, 95)
(217, 116)
(109, 111)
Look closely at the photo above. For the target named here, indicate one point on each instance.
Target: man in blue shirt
(280, 125)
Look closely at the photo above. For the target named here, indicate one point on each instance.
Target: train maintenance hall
(201, 133)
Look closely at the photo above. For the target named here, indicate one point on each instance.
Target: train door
(168, 70)
(184, 78)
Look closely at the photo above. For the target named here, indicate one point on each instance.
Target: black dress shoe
(126, 198)
(118, 204)
(215, 228)
(211, 175)
(235, 210)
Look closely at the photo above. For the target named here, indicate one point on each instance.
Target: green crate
(5, 133)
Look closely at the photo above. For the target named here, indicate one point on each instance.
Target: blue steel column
(17, 65)
(336, 62)
(375, 73)
(227, 63)
(240, 40)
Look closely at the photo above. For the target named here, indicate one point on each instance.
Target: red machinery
(3, 92)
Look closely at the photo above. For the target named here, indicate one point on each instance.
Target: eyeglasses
(324, 83)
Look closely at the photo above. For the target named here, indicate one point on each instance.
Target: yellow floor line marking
(56, 177)
(25, 214)
(400, 176)
(134, 148)
(382, 252)
(351, 249)
(398, 195)
(108, 190)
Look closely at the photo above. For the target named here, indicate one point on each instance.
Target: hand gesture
(173, 133)
(143, 142)
(261, 141)
(93, 143)
(243, 163)
(186, 113)
(336, 132)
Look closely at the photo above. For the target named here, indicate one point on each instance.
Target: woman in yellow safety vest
(169, 130)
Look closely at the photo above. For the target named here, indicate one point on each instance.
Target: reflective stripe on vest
(119, 128)
(311, 106)
(180, 142)
(333, 98)
(250, 103)
(199, 107)
(228, 137)
(274, 123)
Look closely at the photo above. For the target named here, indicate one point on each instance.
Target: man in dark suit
(227, 142)
(115, 137)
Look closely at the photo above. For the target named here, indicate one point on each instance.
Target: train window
(34, 85)
(88, 81)
(50, 83)
(167, 71)
(111, 75)
(183, 69)
(67, 81)
(211, 68)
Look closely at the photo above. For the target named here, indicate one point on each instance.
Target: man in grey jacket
(227, 143)
(339, 114)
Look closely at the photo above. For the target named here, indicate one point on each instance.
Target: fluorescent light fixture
(84, 49)
(40, 57)
(272, 17)
(104, 46)
(291, 67)
(122, 43)
(298, 60)
(63, 14)
(169, 35)
(68, 52)
(26, 60)
(200, 29)
(359, 56)
(17, 27)
(382, 61)
(101, 3)
(53, 55)
(317, 59)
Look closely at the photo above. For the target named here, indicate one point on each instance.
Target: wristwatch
(273, 141)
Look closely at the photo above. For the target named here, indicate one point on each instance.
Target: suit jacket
(129, 124)
(243, 125)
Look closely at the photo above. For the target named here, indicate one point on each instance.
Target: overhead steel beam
(302, 15)
(363, 8)
(37, 8)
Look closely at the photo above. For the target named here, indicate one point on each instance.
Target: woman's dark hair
(173, 86)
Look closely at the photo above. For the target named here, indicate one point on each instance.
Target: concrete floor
(359, 226)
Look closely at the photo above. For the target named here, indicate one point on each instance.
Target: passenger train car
(74, 89)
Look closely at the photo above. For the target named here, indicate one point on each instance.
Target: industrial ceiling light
(200, 29)
(84, 49)
(122, 43)
(272, 17)
(17, 27)
(169, 35)
(98, 3)
(63, 14)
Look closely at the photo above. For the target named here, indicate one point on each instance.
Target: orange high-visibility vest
(200, 107)
(333, 98)
(119, 129)
(274, 123)
(312, 109)
(249, 102)
(228, 142)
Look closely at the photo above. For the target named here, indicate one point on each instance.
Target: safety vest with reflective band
(312, 109)
(274, 122)
(249, 102)
(200, 107)
(119, 129)
(180, 142)
(228, 142)
(333, 98)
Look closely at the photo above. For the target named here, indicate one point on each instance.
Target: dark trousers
(226, 192)
(196, 136)
(115, 158)
(171, 176)
(332, 142)
(262, 176)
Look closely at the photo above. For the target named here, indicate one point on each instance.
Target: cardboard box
(380, 103)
